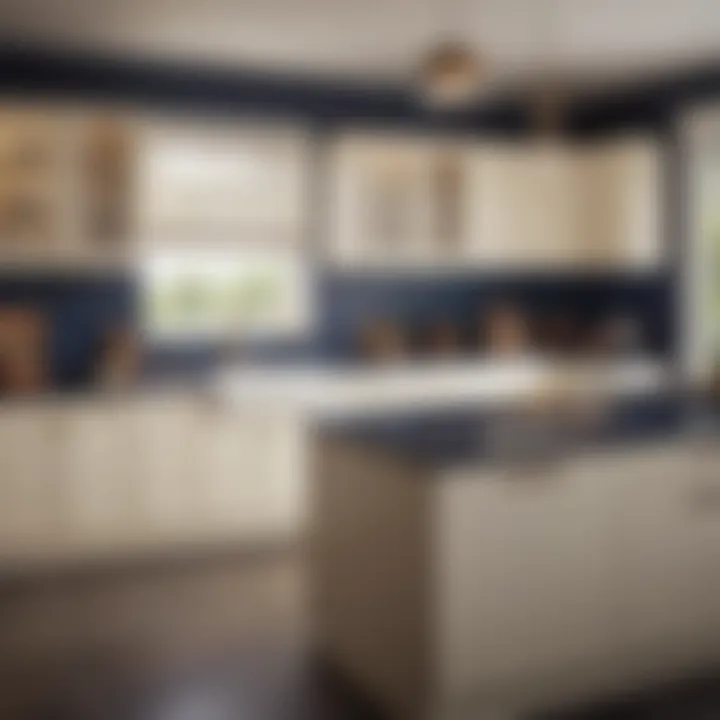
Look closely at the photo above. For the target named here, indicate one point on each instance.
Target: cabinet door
(253, 475)
(33, 191)
(640, 203)
(617, 204)
(667, 544)
(164, 436)
(381, 201)
(97, 477)
(31, 518)
(521, 213)
(287, 474)
(100, 179)
(231, 485)
(524, 568)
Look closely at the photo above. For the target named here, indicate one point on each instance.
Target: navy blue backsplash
(349, 301)
(79, 312)
(346, 302)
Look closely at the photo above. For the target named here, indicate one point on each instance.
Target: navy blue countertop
(453, 437)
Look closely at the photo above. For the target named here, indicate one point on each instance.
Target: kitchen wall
(344, 302)
(348, 302)
(654, 105)
(657, 107)
(63, 74)
(79, 311)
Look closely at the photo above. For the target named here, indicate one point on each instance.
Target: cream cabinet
(84, 479)
(86, 188)
(67, 188)
(553, 206)
(166, 440)
(666, 544)
(405, 203)
(30, 481)
(526, 551)
(267, 453)
(617, 204)
(597, 574)
(95, 475)
(397, 201)
(501, 590)
(521, 216)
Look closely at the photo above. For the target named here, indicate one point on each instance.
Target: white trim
(697, 127)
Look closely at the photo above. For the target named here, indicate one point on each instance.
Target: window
(218, 183)
(224, 295)
(222, 217)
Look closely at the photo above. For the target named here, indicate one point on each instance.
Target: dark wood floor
(197, 640)
(194, 640)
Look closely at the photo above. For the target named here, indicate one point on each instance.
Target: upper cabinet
(81, 186)
(85, 186)
(31, 171)
(521, 210)
(618, 203)
(398, 200)
(413, 202)
(234, 184)
(66, 186)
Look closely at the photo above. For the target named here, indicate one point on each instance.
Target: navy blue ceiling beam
(64, 73)
(651, 105)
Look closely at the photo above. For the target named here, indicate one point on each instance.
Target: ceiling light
(450, 75)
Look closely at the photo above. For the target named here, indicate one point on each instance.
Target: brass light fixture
(450, 75)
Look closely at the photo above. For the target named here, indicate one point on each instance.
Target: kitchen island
(456, 577)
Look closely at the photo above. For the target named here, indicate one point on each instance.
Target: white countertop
(348, 391)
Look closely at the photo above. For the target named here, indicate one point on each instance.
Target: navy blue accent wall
(79, 311)
(202, 89)
(348, 302)
(646, 105)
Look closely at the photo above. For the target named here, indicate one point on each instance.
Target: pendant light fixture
(548, 93)
(450, 75)
(450, 72)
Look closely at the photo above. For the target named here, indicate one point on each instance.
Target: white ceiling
(381, 39)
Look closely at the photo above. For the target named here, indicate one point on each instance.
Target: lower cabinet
(500, 590)
(269, 454)
(584, 577)
(666, 549)
(93, 475)
(84, 479)
(29, 491)
(525, 576)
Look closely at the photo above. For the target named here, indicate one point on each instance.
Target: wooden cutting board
(22, 350)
